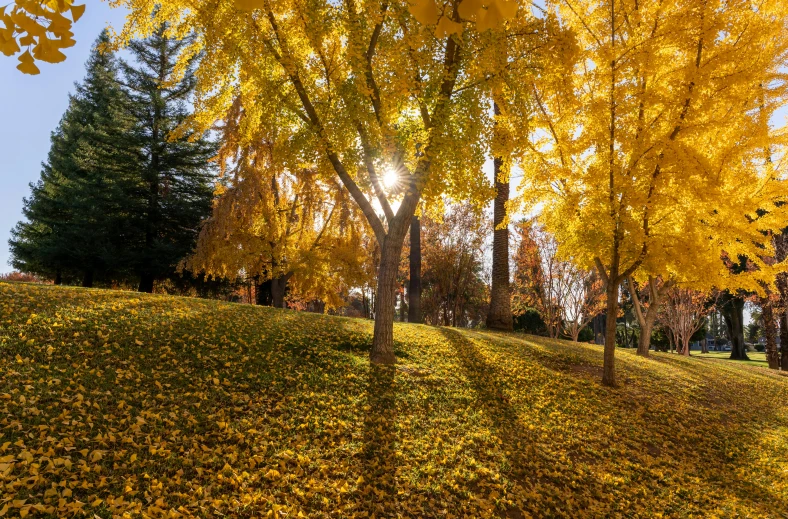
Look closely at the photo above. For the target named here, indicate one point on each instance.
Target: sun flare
(390, 178)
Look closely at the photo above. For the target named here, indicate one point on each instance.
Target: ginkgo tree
(35, 30)
(365, 89)
(653, 149)
(278, 223)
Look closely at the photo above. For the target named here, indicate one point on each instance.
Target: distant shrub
(20, 277)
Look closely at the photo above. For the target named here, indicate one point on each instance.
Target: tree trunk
(685, 346)
(645, 320)
(646, 327)
(279, 290)
(704, 346)
(402, 306)
(599, 329)
(87, 279)
(263, 294)
(609, 369)
(146, 283)
(58, 277)
(386, 300)
(414, 280)
(733, 312)
(499, 316)
(770, 331)
(784, 341)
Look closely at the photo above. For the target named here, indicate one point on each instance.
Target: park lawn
(116, 403)
(757, 358)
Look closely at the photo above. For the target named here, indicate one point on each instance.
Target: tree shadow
(379, 462)
(632, 421)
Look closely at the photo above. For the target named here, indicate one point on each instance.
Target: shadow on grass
(635, 424)
(379, 462)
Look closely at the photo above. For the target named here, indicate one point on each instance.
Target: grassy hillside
(114, 403)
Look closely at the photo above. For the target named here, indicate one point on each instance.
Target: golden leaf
(425, 11)
(77, 11)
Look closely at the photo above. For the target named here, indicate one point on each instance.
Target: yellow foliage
(237, 411)
(41, 25)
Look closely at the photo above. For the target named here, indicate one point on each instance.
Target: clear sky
(31, 107)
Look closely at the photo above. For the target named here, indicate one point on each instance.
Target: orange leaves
(42, 26)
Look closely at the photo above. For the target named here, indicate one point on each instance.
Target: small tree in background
(684, 313)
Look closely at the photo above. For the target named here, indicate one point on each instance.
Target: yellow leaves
(488, 14)
(249, 5)
(40, 25)
(303, 422)
(425, 11)
(27, 64)
(77, 11)
(447, 27)
(496, 14)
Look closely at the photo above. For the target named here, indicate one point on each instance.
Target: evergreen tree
(77, 215)
(176, 173)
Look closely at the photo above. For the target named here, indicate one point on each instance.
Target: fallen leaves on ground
(114, 404)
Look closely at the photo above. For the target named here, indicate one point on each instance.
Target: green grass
(757, 358)
(116, 403)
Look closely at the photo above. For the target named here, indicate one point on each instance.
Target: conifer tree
(75, 217)
(175, 191)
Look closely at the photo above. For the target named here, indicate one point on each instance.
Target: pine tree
(176, 174)
(76, 224)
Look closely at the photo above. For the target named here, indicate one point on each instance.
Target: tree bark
(499, 316)
(599, 329)
(386, 300)
(733, 312)
(263, 295)
(609, 369)
(58, 277)
(279, 290)
(784, 341)
(414, 280)
(770, 330)
(645, 320)
(87, 279)
(146, 283)
(402, 306)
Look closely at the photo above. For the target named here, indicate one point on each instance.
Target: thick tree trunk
(414, 281)
(770, 330)
(499, 315)
(58, 277)
(704, 346)
(146, 283)
(279, 290)
(733, 312)
(609, 369)
(87, 279)
(262, 293)
(386, 300)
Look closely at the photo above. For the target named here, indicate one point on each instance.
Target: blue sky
(30, 108)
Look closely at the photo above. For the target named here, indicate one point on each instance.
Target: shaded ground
(115, 403)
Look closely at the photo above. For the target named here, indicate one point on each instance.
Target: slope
(116, 403)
